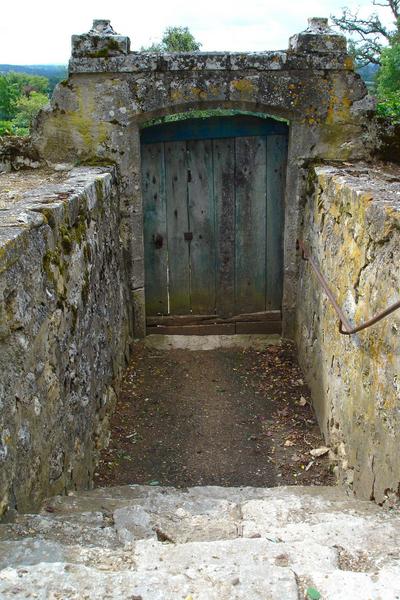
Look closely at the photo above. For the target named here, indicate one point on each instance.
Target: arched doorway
(213, 205)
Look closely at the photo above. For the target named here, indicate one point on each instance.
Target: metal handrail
(345, 327)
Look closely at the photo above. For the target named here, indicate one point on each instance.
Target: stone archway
(96, 115)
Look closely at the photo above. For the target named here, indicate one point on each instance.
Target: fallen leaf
(302, 401)
(289, 443)
(316, 452)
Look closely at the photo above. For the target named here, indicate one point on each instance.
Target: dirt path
(220, 417)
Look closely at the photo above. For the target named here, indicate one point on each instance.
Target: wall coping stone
(102, 50)
(377, 184)
(48, 203)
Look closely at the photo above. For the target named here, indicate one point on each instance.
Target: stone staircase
(205, 543)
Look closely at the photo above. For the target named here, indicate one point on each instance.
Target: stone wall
(64, 331)
(352, 227)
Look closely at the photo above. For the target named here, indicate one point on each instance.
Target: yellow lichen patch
(338, 110)
(198, 93)
(176, 95)
(348, 63)
(215, 90)
(245, 87)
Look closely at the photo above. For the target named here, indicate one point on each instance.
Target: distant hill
(369, 73)
(54, 73)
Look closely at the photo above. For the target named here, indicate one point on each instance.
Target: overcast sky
(38, 32)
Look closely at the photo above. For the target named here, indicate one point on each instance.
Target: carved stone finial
(319, 26)
(318, 38)
(100, 42)
(102, 27)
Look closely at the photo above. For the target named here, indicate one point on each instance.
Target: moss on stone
(66, 239)
(85, 287)
(113, 44)
(103, 53)
(48, 214)
(96, 161)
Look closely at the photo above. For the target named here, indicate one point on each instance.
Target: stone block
(318, 37)
(100, 42)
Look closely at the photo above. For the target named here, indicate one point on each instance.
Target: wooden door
(213, 192)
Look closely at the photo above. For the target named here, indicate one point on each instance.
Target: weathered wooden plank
(220, 329)
(155, 229)
(202, 226)
(276, 168)
(259, 327)
(181, 320)
(273, 315)
(224, 194)
(177, 225)
(250, 180)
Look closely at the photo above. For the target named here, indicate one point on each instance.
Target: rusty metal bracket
(345, 327)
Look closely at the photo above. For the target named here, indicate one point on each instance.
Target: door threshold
(257, 341)
(266, 322)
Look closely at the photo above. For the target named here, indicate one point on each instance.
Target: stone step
(241, 568)
(206, 542)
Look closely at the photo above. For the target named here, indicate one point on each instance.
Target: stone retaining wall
(64, 333)
(352, 227)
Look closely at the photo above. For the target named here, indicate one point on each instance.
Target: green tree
(27, 107)
(175, 39)
(388, 81)
(369, 35)
(389, 74)
(27, 83)
(9, 93)
(14, 86)
(22, 95)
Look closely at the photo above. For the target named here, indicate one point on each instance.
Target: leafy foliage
(375, 45)
(369, 34)
(388, 80)
(26, 110)
(175, 39)
(9, 93)
(389, 106)
(6, 128)
(53, 73)
(389, 73)
(21, 97)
